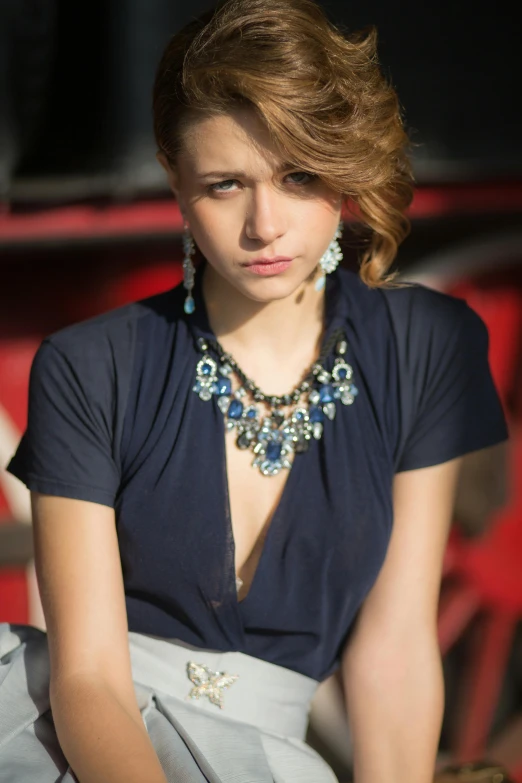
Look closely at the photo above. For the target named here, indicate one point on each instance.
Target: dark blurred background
(87, 223)
(76, 100)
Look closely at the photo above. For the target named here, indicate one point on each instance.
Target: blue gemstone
(206, 369)
(273, 451)
(316, 414)
(342, 373)
(189, 305)
(235, 409)
(326, 393)
(299, 415)
(251, 414)
(224, 386)
(197, 387)
(354, 390)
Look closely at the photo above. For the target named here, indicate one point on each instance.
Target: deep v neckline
(199, 325)
(276, 521)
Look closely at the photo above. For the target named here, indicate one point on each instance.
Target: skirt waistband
(231, 684)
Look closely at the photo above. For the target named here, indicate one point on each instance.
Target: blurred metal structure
(27, 34)
(86, 69)
(457, 69)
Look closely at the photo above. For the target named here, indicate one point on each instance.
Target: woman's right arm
(93, 702)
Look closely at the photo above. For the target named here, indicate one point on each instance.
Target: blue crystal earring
(188, 269)
(330, 260)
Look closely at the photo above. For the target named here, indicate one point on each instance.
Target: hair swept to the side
(320, 93)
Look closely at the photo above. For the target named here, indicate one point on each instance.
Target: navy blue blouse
(113, 419)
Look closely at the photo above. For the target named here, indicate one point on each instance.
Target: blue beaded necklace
(277, 437)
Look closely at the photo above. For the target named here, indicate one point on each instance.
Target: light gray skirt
(213, 717)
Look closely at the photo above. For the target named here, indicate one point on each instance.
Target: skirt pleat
(193, 744)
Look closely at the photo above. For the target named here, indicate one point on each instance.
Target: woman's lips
(270, 267)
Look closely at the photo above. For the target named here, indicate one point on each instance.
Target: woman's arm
(391, 667)
(94, 706)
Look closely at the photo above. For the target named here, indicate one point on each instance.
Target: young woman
(246, 482)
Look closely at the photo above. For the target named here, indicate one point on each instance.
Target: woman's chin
(271, 289)
(263, 288)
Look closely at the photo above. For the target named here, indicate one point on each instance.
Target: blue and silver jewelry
(331, 258)
(276, 438)
(189, 270)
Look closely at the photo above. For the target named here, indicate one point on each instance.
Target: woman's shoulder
(78, 392)
(410, 310)
(95, 358)
(116, 327)
(446, 398)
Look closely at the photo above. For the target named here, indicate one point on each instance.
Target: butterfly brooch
(208, 683)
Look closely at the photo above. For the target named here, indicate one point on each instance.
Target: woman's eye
(303, 174)
(227, 185)
(221, 187)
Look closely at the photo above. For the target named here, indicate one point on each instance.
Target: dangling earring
(330, 260)
(188, 269)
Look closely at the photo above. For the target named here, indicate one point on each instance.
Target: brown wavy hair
(320, 93)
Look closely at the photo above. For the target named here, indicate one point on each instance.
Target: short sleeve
(450, 403)
(67, 448)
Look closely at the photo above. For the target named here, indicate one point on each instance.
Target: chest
(194, 509)
(253, 500)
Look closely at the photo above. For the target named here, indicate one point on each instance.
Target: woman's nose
(265, 220)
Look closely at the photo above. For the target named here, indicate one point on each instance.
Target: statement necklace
(276, 438)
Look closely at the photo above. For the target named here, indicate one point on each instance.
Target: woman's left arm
(391, 666)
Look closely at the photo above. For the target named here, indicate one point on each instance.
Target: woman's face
(243, 202)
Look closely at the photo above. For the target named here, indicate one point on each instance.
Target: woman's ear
(173, 180)
(171, 174)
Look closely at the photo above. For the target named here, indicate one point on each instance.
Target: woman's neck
(284, 332)
(275, 325)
